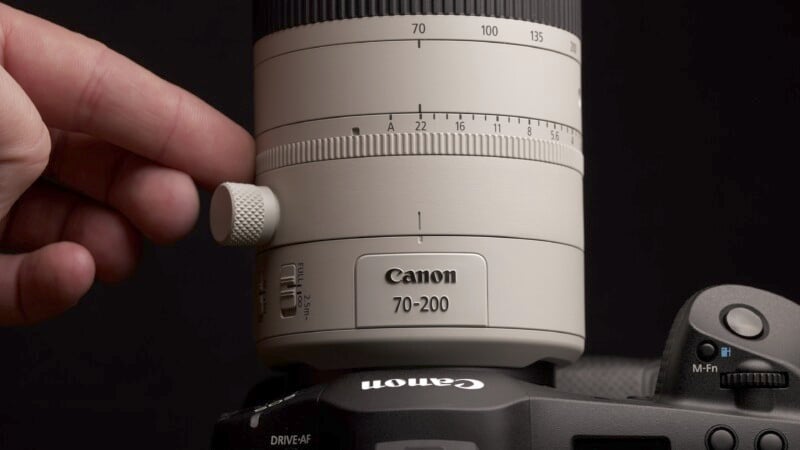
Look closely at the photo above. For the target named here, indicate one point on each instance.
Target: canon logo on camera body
(400, 276)
(468, 384)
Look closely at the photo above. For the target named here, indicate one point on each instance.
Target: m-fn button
(707, 351)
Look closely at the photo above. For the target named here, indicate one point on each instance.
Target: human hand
(95, 152)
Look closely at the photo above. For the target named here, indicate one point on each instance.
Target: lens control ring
(415, 144)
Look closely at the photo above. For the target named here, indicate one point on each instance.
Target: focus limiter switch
(288, 290)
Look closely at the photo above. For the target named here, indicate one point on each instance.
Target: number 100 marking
(490, 30)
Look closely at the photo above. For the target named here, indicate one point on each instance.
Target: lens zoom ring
(275, 15)
(420, 144)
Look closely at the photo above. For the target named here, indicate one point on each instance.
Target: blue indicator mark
(725, 352)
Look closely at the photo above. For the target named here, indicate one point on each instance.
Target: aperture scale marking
(421, 121)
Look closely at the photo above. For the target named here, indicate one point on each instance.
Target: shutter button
(744, 323)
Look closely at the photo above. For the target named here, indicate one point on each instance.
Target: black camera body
(728, 380)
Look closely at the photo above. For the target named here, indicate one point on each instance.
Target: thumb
(24, 144)
(36, 285)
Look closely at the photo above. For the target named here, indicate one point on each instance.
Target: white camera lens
(426, 157)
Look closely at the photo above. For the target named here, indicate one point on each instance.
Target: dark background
(691, 111)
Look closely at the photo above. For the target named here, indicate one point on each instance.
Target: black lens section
(271, 16)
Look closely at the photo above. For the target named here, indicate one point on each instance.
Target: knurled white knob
(243, 215)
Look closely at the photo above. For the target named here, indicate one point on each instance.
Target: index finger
(78, 84)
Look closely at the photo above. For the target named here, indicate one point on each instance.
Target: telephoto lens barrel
(418, 199)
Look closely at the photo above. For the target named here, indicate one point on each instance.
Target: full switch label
(421, 289)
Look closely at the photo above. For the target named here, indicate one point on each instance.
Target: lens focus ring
(271, 16)
(418, 144)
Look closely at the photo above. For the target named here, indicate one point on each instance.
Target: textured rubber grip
(609, 377)
(271, 16)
